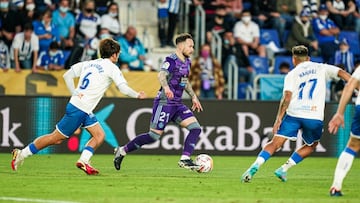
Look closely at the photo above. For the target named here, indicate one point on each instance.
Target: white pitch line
(19, 199)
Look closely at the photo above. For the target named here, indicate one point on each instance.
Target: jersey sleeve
(289, 83)
(332, 71)
(356, 74)
(117, 76)
(167, 65)
(77, 68)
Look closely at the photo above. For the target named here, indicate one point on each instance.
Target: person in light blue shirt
(132, 56)
(64, 20)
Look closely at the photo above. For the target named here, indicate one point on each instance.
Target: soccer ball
(205, 162)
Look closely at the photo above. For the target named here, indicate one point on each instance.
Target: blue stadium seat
(318, 59)
(278, 60)
(260, 64)
(353, 40)
(285, 36)
(268, 35)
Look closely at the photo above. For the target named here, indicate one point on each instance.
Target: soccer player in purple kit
(168, 106)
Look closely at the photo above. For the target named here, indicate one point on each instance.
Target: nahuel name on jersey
(308, 72)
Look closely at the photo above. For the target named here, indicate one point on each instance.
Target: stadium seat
(268, 35)
(260, 64)
(318, 59)
(285, 36)
(353, 40)
(278, 60)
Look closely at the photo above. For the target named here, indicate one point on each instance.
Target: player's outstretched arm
(338, 119)
(196, 105)
(128, 91)
(69, 80)
(162, 76)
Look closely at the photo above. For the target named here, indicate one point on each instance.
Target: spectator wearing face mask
(53, 59)
(64, 20)
(90, 50)
(110, 20)
(206, 75)
(218, 24)
(87, 22)
(344, 56)
(132, 56)
(302, 33)
(247, 33)
(326, 33)
(28, 12)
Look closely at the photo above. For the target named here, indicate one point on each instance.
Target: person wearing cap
(301, 108)
(342, 12)
(326, 32)
(344, 56)
(302, 33)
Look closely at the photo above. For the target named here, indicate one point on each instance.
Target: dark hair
(54, 45)
(108, 47)
(284, 65)
(300, 50)
(28, 26)
(182, 38)
(111, 3)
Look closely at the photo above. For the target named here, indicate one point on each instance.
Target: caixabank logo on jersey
(228, 127)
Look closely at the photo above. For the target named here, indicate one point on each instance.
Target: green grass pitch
(157, 178)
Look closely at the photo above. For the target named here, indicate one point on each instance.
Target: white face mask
(113, 14)
(90, 52)
(52, 53)
(63, 9)
(30, 7)
(323, 17)
(246, 19)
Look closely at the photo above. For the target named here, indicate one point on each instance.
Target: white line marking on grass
(19, 199)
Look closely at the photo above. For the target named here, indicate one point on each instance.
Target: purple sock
(139, 141)
(191, 141)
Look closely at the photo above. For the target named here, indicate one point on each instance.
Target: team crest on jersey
(165, 65)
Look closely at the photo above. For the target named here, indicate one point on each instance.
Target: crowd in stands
(329, 28)
(54, 34)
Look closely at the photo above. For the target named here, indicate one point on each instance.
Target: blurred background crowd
(237, 42)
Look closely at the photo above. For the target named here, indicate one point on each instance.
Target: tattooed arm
(196, 103)
(162, 76)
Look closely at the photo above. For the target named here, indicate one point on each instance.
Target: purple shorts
(164, 113)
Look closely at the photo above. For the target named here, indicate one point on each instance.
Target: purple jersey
(177, 79)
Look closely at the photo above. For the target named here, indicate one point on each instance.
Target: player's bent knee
(155, 136)
(194, 127)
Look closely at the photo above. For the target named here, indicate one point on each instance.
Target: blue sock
(296, 157)
(265, 155)
(33, 148)
(350, 151)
